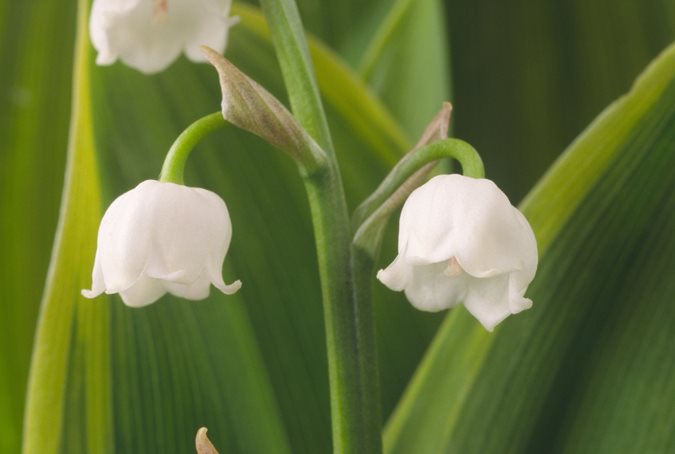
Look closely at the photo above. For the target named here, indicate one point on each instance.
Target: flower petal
(191, 232)
(397, 275)
(461, 239)
(162, 237)
(97, 281)
(103, 13)
(132, 31)
(216, 278)
(521, 279)
(488, 300)
(213, 31)
(430, 289)
(426, 224)
(467, 218)
(228, 289)
(125, 237)
(197, 290)
(497, 238)
(144, 43)
(144, 291)
(179, 277)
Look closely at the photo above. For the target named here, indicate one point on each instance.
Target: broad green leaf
(589, 368)
(69, 332)
(34, 105)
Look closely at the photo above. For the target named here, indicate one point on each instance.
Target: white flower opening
(162, 237)
(149, 35)
(461, 241)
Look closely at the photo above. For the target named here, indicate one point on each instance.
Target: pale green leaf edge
(75, 238)
(36, 97)
(548, 206)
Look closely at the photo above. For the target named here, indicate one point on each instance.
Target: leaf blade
(521, 382)
(50, 362)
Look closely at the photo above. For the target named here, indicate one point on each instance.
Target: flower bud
(461, 240)
(162, 237)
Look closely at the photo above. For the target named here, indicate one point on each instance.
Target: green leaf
(67, 328)
(34, 105)
(407, 62)
(589, 368)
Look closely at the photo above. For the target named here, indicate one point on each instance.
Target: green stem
(352, 365)
(174, 163)
(468, 157)
(290, 44)
(402, 180)
(350, 330)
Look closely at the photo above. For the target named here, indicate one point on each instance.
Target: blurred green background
(525, 78)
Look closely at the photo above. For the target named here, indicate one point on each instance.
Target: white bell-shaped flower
(162, 237)
(150, 34)
(461, 240)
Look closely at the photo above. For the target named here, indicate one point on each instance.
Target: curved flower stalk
(461, 240)
(162, 237)
(148, 35)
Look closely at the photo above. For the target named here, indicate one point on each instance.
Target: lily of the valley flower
(150, 34)
(162, 237)
(461, 240)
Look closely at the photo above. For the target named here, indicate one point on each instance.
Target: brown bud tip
(203, 444)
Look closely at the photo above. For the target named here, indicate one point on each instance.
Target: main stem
(352, 364)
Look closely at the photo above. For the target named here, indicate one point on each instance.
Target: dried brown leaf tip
(203, 444)
(437, 129)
